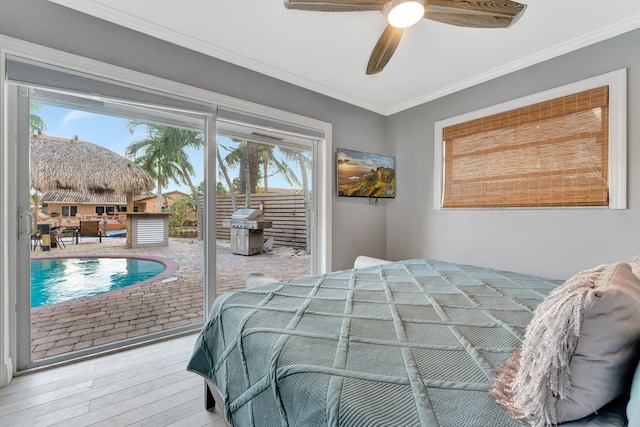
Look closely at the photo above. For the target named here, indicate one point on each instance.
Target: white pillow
(258, 279)
(366, 261)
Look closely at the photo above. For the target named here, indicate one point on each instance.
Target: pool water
(64, 279)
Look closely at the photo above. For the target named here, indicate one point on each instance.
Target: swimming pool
(62, 279)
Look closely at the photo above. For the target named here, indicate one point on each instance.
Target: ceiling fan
(405, 13)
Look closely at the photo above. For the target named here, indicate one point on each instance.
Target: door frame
(9, 273)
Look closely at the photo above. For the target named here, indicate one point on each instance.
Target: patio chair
(70, 233)
(90, 229)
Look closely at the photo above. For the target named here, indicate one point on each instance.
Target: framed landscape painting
(362, 174)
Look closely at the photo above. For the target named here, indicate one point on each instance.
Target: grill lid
(246, 214)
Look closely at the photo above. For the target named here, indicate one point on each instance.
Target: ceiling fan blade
(335, 5)
(384, 49)
(475, 13)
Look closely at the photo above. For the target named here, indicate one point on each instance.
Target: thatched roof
(62, 164)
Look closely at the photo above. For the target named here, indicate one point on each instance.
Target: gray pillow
(633, 406)
(579, 351)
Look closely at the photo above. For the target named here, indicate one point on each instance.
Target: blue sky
(366, 159)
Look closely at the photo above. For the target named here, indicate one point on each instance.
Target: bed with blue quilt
(408, 343)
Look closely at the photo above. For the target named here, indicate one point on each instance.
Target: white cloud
(76, 115)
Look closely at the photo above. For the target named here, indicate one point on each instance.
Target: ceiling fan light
(405, 13)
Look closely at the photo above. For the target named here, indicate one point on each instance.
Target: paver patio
(170, 300)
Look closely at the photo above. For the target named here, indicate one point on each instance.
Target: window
(102, 210)
(562, 151)
(552, 153)
(68, 210)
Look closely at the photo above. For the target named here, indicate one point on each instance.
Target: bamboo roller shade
(554, 153)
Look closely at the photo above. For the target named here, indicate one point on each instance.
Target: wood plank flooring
(146, 386)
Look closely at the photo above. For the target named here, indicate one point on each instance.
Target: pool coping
(170, 265)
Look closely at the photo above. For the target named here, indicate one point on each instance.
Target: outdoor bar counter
(145, 229)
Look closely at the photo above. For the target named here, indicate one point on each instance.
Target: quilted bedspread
(411, 343)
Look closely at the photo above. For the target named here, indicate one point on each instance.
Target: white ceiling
(328, 52)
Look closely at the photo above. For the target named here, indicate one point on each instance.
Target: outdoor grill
(247, 231)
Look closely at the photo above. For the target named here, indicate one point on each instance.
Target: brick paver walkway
(170, 300)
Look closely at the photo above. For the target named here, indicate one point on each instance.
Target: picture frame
(362, 174)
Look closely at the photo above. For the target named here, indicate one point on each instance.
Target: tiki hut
(63, 164)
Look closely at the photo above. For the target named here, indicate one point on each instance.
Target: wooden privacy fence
(286, 211)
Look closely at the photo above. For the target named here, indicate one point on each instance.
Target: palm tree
(269, 161)
(245, 158)
(225, 174)
(304, 163)
(36, 124)
(165, 158)
(265, 154)
(249, 167)
(254, 161)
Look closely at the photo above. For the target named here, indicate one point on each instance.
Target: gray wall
(549, 242)
(47, 24)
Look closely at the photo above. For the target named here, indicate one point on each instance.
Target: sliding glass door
(56, 114)
(113, 238)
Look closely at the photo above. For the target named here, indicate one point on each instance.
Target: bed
(408, 343)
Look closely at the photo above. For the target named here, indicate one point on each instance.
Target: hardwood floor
(146, 386)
